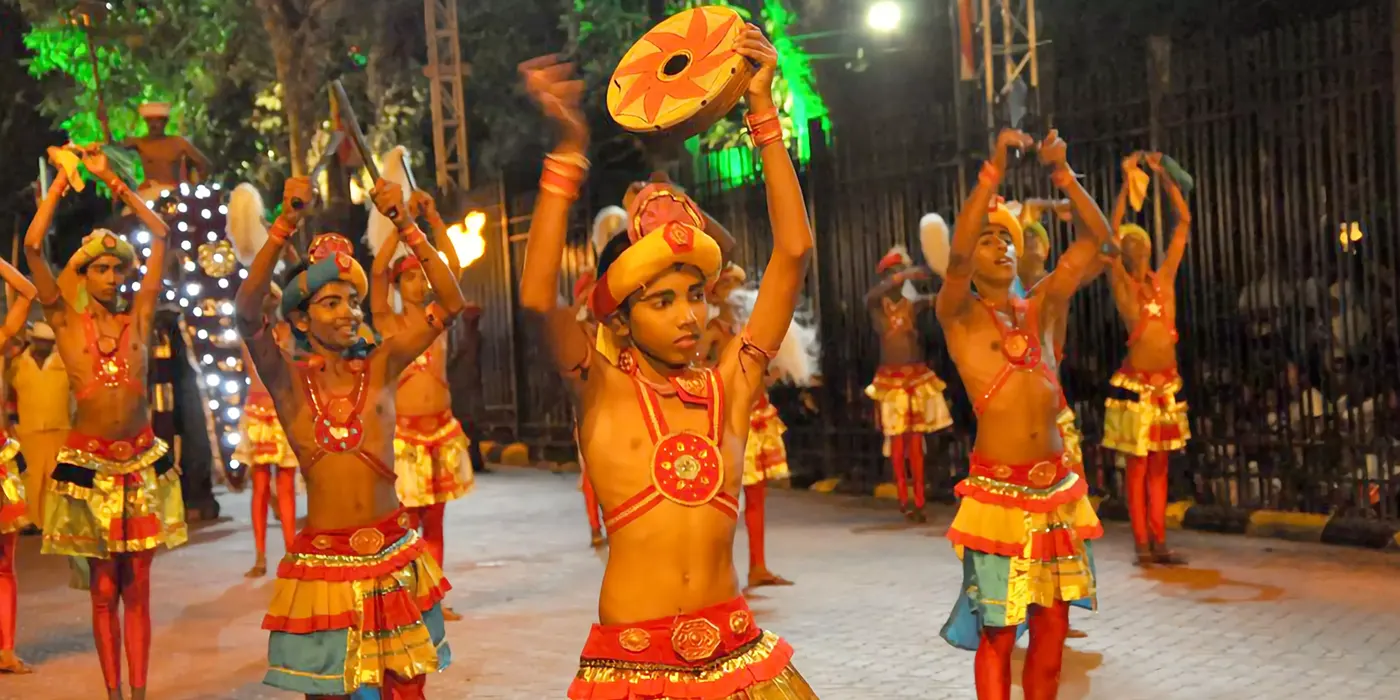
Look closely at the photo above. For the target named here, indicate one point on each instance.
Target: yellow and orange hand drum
(682, 76)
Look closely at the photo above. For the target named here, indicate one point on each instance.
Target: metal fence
(1287, 299)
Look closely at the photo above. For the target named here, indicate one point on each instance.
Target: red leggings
(1147, 498)
(286, 505)
(754, 496)
(1040, 676)
(9, 591)
(590, 502)
(430, 519)
(126, 577)
(910, 445)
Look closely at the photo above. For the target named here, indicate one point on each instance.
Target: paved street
(1249, 619)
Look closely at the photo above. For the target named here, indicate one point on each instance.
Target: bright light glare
(884, 16)
(467, 241)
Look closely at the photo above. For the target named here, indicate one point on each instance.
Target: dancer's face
(332, 317)
(413, 286)
(664, 320)
(103, 276)
(994, 259)
(1034, 257)
(1136, 252)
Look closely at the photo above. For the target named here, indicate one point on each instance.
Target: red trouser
(910, 446)
(9, 591)
(1040, 675)
(286, 505)
(1147, 498)
(754, 496)
(430, 519)
(125, 578)
(590, 502)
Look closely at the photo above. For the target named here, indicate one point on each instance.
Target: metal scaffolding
(446, 73)
(1016, 80)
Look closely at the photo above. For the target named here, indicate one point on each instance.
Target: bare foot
(764, 577)
(1075, 634)
(9, 663)
(138, 694)
(1144, 557)
(1162, 555)
(259, 568)
(917, 516)
(115, 694)
(450, 615)
(598, 540)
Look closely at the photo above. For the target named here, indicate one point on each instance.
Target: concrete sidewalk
(1249, 619)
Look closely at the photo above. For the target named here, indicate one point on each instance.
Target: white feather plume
(609, 222)
(933, 238)
(798, 359)
(246, 227)
(380, 227)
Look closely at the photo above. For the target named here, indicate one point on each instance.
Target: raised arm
(551, 84)
(19, 308)
(1090, 235)
(380, 280)
(49, 293)
(143, 303)
(417, 333)
(956, 296)
(1181, 233)
(256, 329)
(422, 204)
(1120, 209)
(792, 233)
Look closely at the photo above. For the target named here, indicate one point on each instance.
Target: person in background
(45, 405)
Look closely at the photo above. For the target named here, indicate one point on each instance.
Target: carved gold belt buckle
(695, 639)
(1042, 474)
(367, 541)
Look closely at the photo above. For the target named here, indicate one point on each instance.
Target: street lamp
(884, 16)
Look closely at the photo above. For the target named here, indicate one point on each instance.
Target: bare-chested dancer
(334, 393)
(664, 440)
(1024, 521)
(115, 493)
(1143, 418)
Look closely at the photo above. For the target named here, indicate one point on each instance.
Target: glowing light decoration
(884, 16)
(467, 242)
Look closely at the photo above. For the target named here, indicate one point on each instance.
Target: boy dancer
(672, 622)
(1143, 418)
(1024, 519)
(357, 600)
(115, 494)
(431, 453)
(13, 517)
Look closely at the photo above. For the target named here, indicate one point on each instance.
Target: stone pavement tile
(1248, 619)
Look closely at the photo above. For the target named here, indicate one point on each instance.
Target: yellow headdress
(674, 235)
(103, 242)
(999, 215)
(1127, 230)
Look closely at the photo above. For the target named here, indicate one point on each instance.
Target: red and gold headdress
(666, 229)
(898, 255)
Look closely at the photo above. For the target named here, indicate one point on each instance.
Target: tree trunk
(288, 53)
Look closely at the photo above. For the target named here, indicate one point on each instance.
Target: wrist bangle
(764, 127)
(1063, 177)
(412, 235)
(564, 174)
(281, 230)
(990, 174)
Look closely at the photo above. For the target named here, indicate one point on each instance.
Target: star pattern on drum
(699, 45)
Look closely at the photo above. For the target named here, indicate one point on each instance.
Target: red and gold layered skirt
(765, 455)
(263, 443)
(1145, 415)
(113, 497)
(431, 459)
(717, 653)
(910, 400)
(12, 503)
(351, 605)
